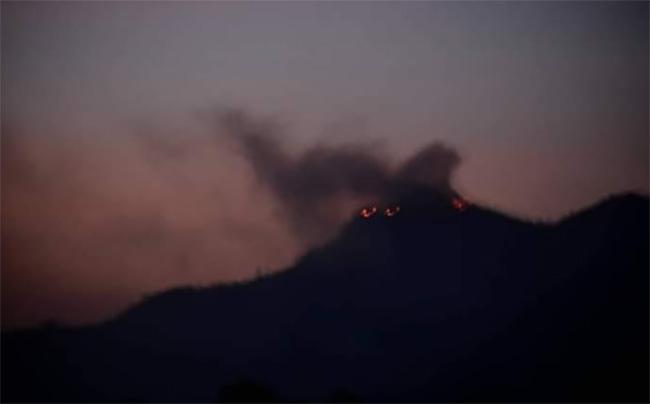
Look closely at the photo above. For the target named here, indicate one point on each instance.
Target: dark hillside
(433, 304)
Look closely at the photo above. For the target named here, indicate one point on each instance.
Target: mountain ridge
(432, 304)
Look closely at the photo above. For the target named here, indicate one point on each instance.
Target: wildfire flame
(459, 203)
(368, 212)
(391, 211)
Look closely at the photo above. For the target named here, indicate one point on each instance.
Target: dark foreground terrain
(433, 304)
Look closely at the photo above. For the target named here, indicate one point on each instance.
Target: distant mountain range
(432, 304)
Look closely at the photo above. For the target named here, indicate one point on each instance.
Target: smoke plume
(92, 221)
(318, 187)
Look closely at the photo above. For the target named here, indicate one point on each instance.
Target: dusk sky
(117, 182)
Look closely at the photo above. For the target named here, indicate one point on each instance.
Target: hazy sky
(118, 187)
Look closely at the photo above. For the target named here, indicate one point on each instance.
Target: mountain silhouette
(432, 304)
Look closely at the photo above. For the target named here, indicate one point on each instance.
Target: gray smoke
(317, 187)
(90, 223)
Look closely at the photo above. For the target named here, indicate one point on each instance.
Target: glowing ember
(391, 211)
(367, 213)
(459, 203)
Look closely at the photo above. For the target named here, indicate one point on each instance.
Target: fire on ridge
(458, 203)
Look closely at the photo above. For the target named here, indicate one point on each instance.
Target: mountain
(432, 304)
